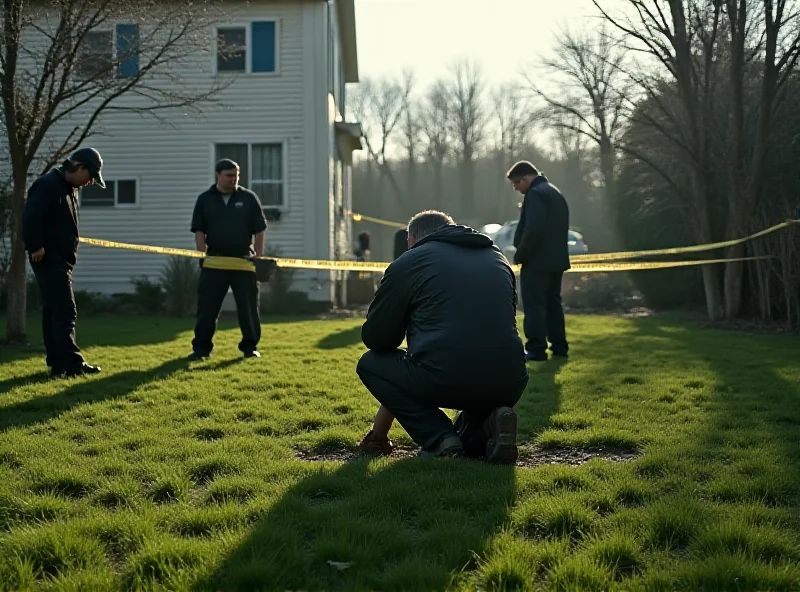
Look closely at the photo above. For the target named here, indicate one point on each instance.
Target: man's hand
(38, 255)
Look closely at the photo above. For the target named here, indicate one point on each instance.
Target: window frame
(282, 142)
(248, 41)
(114, 71)
(116, 205)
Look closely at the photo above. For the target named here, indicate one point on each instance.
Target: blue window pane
(128, 51)
(264, 47)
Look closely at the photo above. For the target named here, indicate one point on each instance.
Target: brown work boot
(372, 445)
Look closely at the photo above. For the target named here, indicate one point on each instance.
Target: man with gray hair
(452, 296)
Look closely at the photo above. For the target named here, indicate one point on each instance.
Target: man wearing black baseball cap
(50, 233)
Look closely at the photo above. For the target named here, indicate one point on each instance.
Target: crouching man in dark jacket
(452, 295)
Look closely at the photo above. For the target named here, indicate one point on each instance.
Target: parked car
(504, 239)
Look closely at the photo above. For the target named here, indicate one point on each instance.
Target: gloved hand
(264, 268)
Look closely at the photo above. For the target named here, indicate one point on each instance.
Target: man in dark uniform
(50, 233)
(541, 243)
(453, 296)
(228, 221)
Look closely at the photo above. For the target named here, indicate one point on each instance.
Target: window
(96, 54)
(267, 179)
(122, 192)
(101, 50)
(231, 49)
(259, 40)
(261, 169)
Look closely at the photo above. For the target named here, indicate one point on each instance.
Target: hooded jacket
(453, 297)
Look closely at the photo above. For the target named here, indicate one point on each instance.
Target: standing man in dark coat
(453, 296)
(50, 233)
(541, 243)
(228, 221)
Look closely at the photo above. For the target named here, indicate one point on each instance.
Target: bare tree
(380, 105)
(764, 38)
(678, 43)
(588, 71)
(468, 118)
(435, 118)
(513, 116)
(58, 67)
(412, 135)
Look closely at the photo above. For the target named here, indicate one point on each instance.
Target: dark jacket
(230, 228)
(453, 296)
(541, 235)
(50, 217)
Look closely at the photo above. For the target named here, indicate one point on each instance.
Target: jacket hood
(456, 234)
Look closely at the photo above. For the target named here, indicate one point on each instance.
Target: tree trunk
(16, 327)
(734, 278)
(712, 291)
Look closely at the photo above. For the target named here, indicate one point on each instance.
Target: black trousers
(59, 312)
(544, 313)
(414, 396)
(211, 290)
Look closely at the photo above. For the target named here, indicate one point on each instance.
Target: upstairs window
(109, 52)
(249, 48)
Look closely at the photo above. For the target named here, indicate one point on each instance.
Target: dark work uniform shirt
(229, 228)
(50, 217)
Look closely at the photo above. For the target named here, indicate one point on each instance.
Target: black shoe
(252, 354)
(82, 370)
(449, 447)
(501, 428)
(57, 373)
(195, 356)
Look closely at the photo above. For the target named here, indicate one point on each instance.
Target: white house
(282, 121)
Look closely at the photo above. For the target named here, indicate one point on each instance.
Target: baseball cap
(91, 159)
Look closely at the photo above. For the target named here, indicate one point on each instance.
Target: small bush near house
(149, 295)
(276, 294)
(179, 284)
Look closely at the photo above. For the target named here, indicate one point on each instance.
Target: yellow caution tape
(363, 218)
(229, 263)
(145, 248)
(240, 264)
(617, 256)
(640, 265)
(588, 258)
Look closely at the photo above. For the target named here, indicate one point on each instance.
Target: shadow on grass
(412, 524)
(83, 390)
(130, 331)
(344, 338)
(540, 401)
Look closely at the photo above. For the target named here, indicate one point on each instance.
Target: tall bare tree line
(678, 89)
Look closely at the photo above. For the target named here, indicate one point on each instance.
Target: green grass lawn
(158, 474)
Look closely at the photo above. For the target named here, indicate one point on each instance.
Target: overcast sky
(425, 35)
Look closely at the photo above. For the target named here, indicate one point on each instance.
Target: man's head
(227, 175)
(426, 223)
(84, 167)
(522, 175)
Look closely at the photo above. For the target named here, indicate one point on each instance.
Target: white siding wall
(173, 165)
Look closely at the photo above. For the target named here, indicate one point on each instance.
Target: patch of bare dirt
(529, 456)
(532, 456)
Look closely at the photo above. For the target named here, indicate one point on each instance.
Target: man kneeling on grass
(453, 296)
